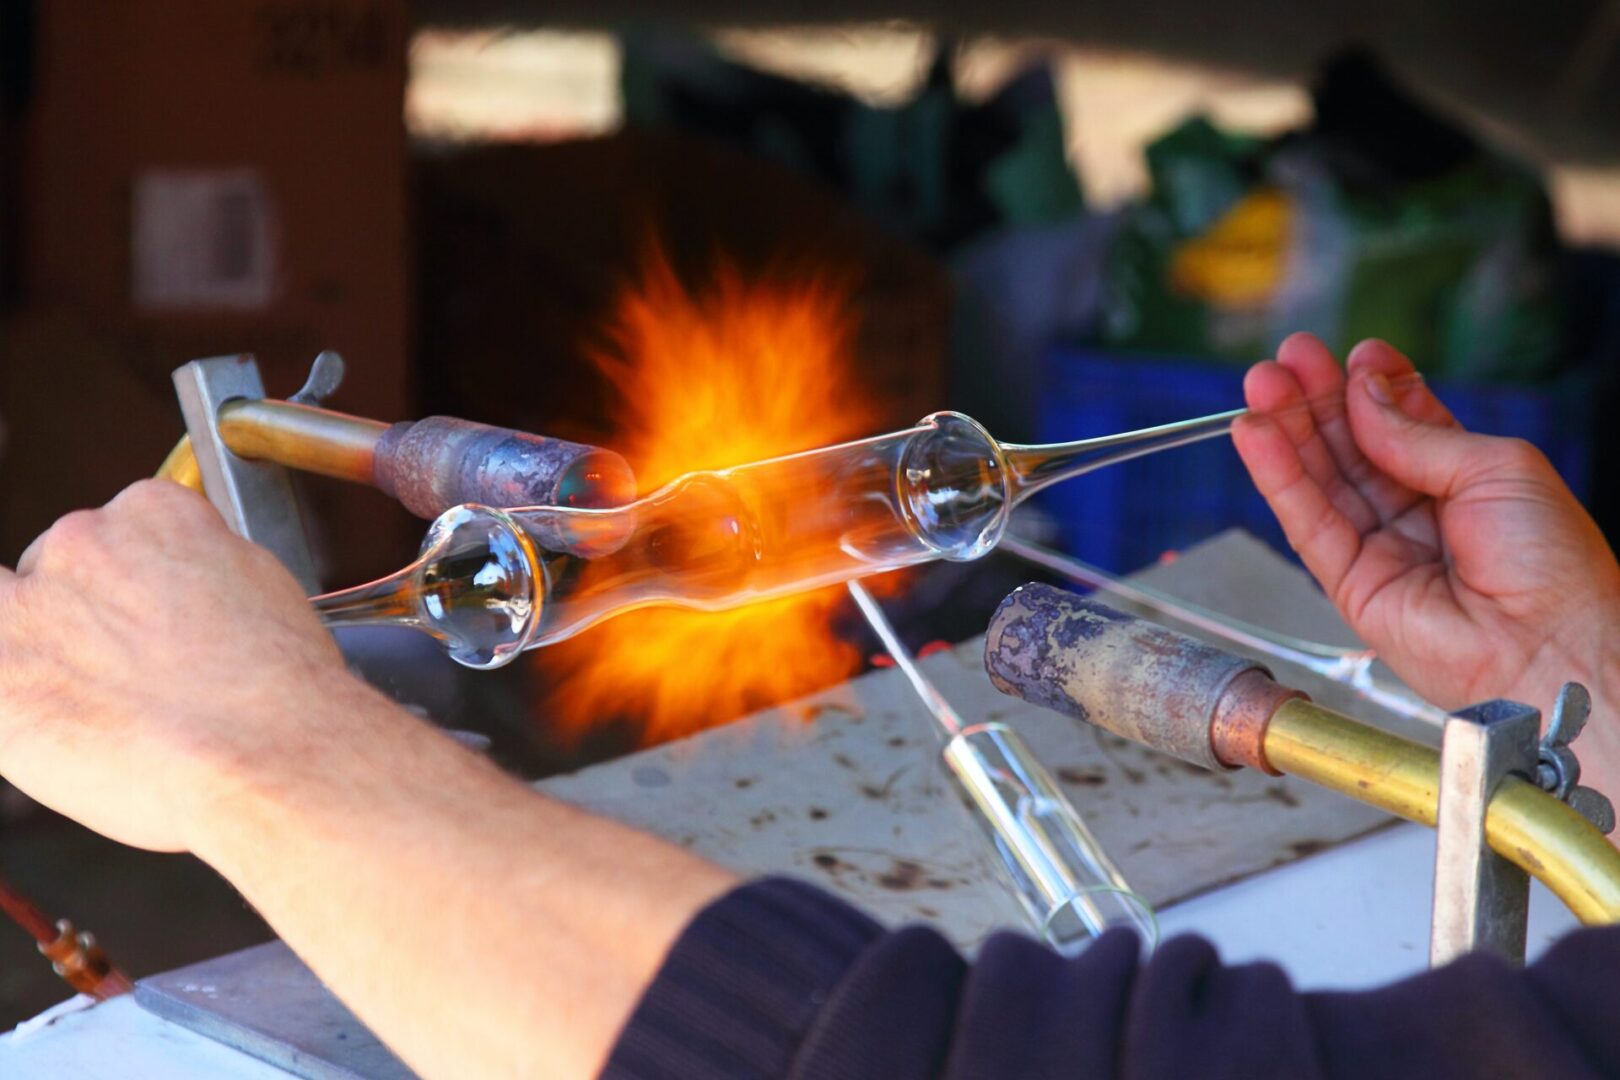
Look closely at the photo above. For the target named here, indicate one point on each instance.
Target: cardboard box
(202, 178)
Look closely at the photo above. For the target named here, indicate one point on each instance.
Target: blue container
(1128, 515)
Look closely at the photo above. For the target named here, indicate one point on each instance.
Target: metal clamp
(1558, 770)
(255, 498)
(1481, 901)
(325, 376)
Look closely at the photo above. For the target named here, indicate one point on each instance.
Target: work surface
(844, 789)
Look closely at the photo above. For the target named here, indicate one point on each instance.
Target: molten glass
(491, 583)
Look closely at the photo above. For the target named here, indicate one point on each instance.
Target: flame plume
(739, 371)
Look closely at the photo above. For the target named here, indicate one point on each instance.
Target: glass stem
(1036, 467)
(948, 722)
(388, 601)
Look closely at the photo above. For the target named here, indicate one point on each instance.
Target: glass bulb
(477, 587)
(491, 583)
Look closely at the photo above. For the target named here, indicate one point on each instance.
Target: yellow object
(1240, 261)
(1523, 824)
(181, 466)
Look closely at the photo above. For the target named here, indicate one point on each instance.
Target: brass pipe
(429, 465)
(1525, 825)
(181, 466)
(1370, 765)
(302, 437)
(298, 436)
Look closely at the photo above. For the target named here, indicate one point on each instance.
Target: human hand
(1461, 558)
(167, 684)
(144, 651)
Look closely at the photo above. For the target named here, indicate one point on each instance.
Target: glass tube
(1061, 875)
(1065, 881)
(713, 540)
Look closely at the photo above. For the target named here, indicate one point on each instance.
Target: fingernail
(1378, 388)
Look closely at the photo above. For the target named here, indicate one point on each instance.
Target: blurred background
(748, 231)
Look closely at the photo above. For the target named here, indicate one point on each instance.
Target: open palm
(1462, 559)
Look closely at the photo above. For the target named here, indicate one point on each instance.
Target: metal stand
(255, 498)
(1482, 901)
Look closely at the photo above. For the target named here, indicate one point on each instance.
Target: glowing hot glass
(491, 583)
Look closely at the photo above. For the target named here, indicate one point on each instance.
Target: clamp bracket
(1481, 901)
(256, 499)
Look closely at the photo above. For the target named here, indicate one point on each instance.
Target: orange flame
(741, 371)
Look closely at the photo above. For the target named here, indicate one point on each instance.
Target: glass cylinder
(720, 539)
(1062, 876)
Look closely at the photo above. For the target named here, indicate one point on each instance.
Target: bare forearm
(479, 928)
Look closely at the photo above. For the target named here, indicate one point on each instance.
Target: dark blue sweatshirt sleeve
(778, 979)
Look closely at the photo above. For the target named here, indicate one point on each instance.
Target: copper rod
(26, 914)
(429, 465)
(74, 956)
(302, 437)
(299, 436)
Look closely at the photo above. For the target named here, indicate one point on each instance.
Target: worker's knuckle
(72, 543)
(165, 511)
(154, 496)
(72, 532)
(140, 493)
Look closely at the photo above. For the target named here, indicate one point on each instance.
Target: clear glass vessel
(1067, 884)
(476, 587)
(713, 540)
